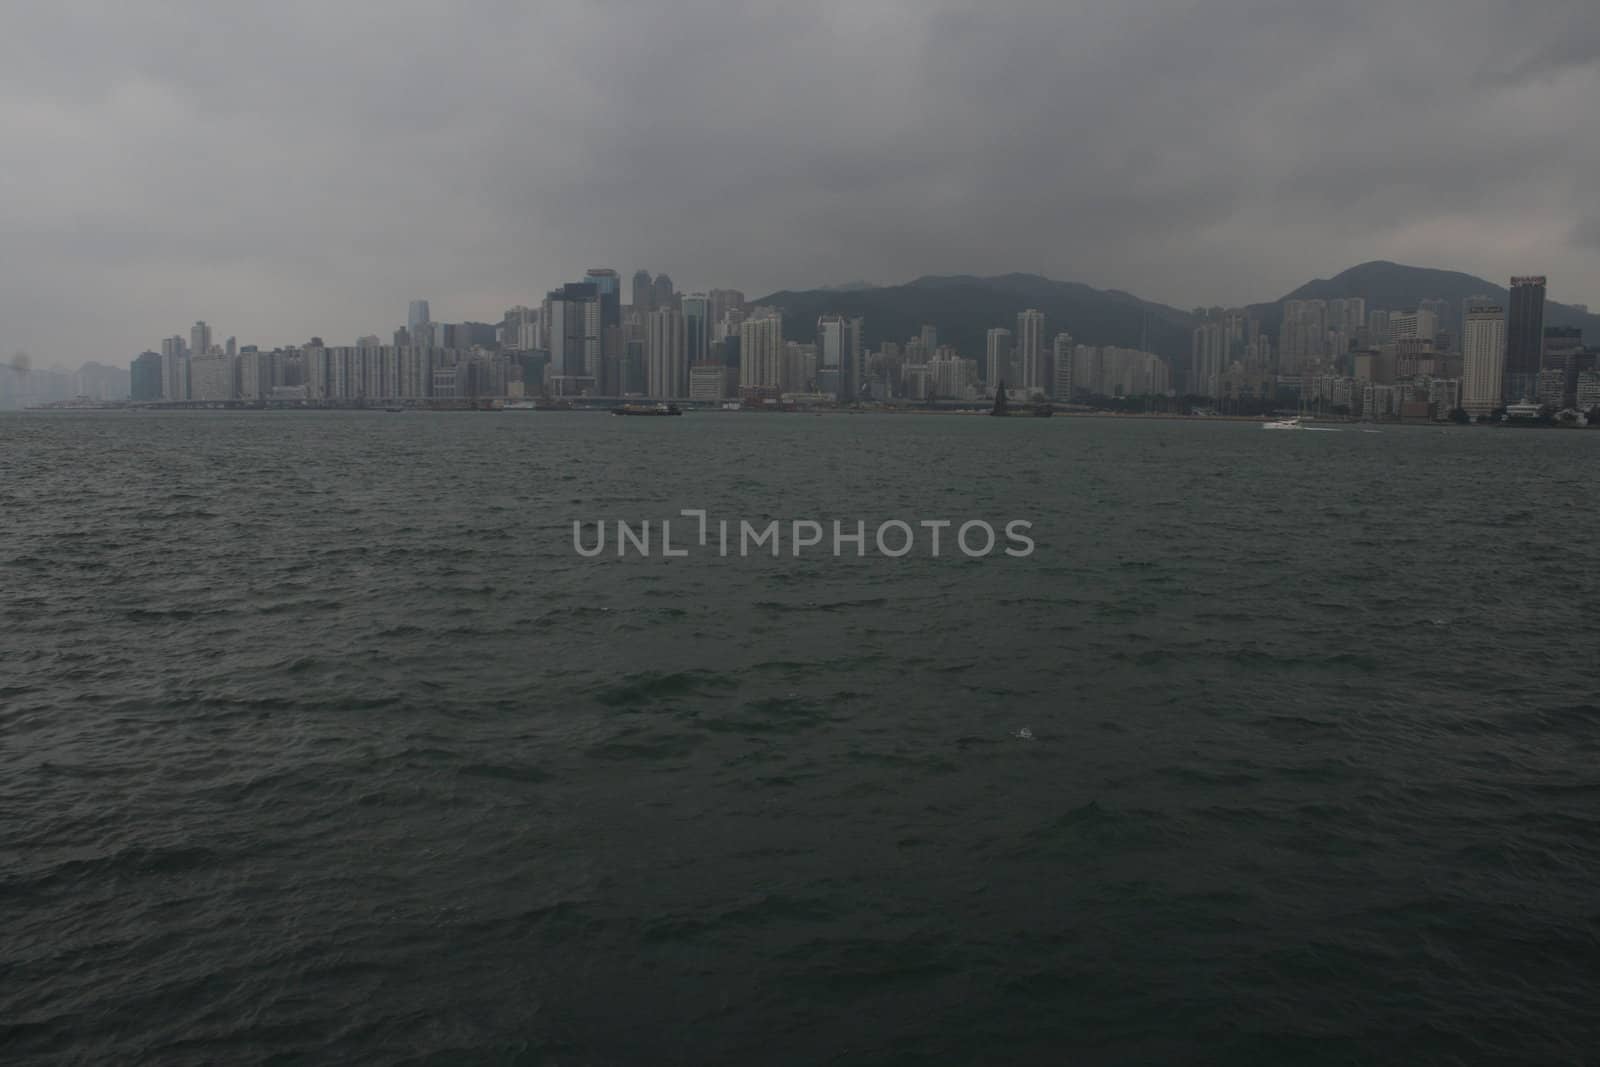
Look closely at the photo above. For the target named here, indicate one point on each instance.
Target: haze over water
(318, 741)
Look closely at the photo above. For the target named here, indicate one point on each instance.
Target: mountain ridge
(963, 307)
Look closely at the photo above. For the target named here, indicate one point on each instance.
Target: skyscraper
(696, 328)
(930, 341)
(663, 294)
(1377, 327)
(997, 362)
(724, 301)
(1031, 351)
(174, 369)
(574, 338)
(855, 370)
(199, 340)
(608, 290)
(643, 290)
(761, 352)
(1483, 358)
(1524, 338)
(666, 369)
(418, 323)
(1207, 359)
(839, 356)
(145, 377)
(1303, 337)
(1062, 352)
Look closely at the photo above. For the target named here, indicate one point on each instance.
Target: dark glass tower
(1524, 338)
(697, 329)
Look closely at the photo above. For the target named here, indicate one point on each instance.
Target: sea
(321, 743)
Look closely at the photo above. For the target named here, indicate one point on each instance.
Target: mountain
(964, 307)
(1394, 286)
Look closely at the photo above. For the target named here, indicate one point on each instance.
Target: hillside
(1394, 286)
(964, 307)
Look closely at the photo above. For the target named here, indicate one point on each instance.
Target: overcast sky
(295, 167)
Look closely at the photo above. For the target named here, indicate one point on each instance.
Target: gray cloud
(293, 168)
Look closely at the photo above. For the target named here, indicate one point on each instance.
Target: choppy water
(318, 743)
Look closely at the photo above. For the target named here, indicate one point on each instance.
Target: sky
(297, 167)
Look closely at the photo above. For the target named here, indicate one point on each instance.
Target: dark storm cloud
(295, 168)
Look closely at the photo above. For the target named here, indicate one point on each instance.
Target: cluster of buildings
(584, 339)
(426, 360)
(1432, 361)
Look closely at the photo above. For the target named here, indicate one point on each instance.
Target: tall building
(1063, 367)
(997, 359)
(666, 369)
(1303, 337)
(1208, 359)
(1423, 323)
(761, 352)
(643, 290)
(608, 289)
(1483, 358)
(144, 377)
(418, 323)
(1524, 338)
(1564, 360)
(574, 338)
(855, 356)
(839, 356)
(663, 293)
(930, 341)
(1031, 351)
(697, 328)
(1378, 327)
(212, 378)
(199, 340)
(174, 369)
(723, 303)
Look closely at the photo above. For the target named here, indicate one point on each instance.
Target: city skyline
(1150, 149)
(1433, 358)
(588, 340)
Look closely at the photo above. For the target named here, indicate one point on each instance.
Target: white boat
(1284, 424)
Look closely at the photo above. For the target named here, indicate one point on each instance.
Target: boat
(394, 407)
(520, 405)
(1295, 423)
(647, 409)
(1000, 408)
(1043, 411)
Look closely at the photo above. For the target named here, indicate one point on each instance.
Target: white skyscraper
(1483, 358)
(1063, 383)
(761, 352)
(997, 360)
(666, 365)
(1419, 323)
(1031, 351)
